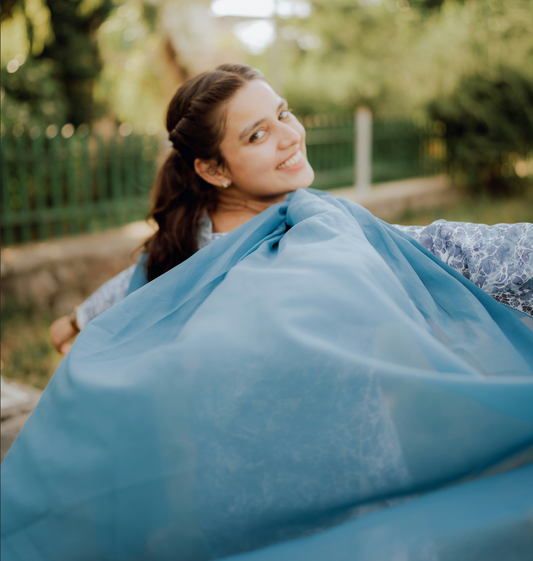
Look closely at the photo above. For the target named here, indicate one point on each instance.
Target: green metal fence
(400, 149)
(52, 187)
(330, 150)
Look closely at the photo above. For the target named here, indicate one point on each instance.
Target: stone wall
(57, 275)
(388, 200)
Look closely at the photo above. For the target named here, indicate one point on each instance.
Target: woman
(308, 386)
(222, 172)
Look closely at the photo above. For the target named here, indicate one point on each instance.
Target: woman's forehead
(254, 101)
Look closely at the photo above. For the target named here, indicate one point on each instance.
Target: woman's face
(264, 145)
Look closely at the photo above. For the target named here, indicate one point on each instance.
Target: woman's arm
(111, 292)
(498, 259)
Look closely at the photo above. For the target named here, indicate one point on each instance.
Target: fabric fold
(302, 374)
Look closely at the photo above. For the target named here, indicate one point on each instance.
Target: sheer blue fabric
(314, 385)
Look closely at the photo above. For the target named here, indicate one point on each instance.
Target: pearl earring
(225, 184)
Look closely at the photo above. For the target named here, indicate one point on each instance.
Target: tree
(488, 123)
(75, 51)
(61, 45)
(397, 55)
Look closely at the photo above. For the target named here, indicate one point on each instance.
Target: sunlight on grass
(27, 353)
(481, 210)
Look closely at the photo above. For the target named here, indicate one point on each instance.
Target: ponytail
(180, 198)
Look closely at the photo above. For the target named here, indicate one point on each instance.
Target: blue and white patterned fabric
(498, 259)
(109, 294)
(277, 397)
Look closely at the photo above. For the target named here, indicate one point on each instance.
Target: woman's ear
(209, 171)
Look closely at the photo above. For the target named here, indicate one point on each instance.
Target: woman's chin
(311, 176)
(305, 178)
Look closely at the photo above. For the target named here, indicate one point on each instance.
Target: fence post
(363, 149)
(21, 147)
(40, 196)
(56, 179)
(102, 179)
(8, 163)
(86, 184)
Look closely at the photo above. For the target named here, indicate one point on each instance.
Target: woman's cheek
(265, 158)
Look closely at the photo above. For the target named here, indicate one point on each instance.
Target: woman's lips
(295, 162)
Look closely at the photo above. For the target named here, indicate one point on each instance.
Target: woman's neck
(233, 210)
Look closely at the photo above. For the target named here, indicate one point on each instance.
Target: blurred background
(447, 84)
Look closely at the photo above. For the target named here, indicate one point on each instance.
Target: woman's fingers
(61, 331)
(65, 348)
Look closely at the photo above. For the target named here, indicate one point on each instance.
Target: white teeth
(291, 161)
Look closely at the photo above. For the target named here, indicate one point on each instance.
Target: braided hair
(196, 125)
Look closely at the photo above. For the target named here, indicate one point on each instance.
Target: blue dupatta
(314, 385)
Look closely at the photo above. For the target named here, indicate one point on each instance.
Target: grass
(27, 353)
(28, 356)
(480, 209)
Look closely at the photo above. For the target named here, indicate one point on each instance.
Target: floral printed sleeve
(107, 295)
(498, 259)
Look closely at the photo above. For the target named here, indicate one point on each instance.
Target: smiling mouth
(292, 161)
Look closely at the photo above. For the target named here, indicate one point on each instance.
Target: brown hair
(196, 126)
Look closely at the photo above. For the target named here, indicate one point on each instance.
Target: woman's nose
(288, 137)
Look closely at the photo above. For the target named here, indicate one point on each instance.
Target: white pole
(363, 149)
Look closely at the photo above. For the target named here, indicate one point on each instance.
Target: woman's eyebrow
(249, 129)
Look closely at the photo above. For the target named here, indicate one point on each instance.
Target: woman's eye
(285, 113)
(257, 135)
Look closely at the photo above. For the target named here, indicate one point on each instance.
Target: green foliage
(396, 56)
(426, 4)
(75, 52)
(150, 15)
(33, 96)
(135, 82)
(62, 51)
(489, 130)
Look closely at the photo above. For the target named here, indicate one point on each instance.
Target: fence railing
(53, 187)
(400, 149)
(330, 150)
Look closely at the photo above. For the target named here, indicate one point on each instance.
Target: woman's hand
(62, 331)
